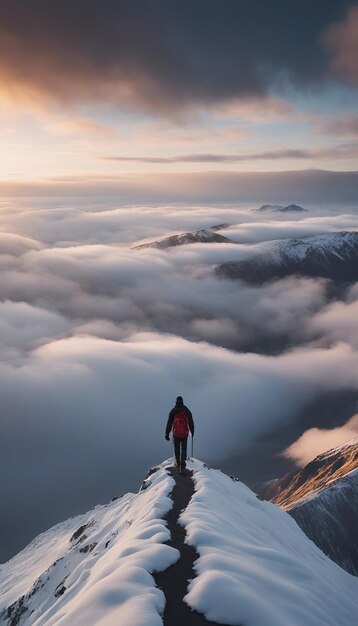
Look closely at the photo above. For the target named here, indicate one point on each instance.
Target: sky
(128, 121)
(139, 96)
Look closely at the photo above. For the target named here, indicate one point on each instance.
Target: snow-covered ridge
(329, 518)
(342, 449)
(256, 566)
(278, 208)
(320, 473)
(198, 236)
(94, 568)
(323, 498)
(338, 244)
(330, 255)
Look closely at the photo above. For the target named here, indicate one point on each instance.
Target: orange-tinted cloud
(162, 56)
(315, 441)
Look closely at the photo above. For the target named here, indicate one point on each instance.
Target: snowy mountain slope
(330, 255)
(323, 498)
(94, 568)
(330, 519)
(255, 565)
(198, 236)
(322, 472)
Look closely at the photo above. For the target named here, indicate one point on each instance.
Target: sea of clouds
(97, 338)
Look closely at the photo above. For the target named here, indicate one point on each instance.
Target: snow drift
(255, 567)
(94, 569)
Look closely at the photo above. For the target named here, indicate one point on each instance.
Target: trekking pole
(192, 447)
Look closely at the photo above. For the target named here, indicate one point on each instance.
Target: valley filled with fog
(98, 335)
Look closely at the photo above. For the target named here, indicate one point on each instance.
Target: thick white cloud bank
(315, 441)
(98, 338)
(117, 393)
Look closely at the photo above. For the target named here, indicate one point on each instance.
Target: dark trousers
(180, 446)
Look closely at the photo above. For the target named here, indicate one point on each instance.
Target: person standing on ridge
(180, 421)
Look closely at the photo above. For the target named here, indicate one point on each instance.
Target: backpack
(181, 425)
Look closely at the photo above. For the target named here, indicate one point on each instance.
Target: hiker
(180, 420)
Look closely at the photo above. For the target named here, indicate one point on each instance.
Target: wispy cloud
(344, 151)
(346, 126)
(215, 158)
(315, 441)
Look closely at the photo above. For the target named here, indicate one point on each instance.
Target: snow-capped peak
(198, 236)
(338, 244)
(328, 255)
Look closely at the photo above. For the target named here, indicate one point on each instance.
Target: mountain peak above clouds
(328, 255)
(278, 208)
(322, 472)
(198, 236)
(293, 208)
(254, 565)
(323, 498)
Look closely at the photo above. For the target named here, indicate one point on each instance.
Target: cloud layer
(163, 57)
(310, 186)
(315, 441)
(97, 339)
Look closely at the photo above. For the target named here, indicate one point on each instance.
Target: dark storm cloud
(162, 55)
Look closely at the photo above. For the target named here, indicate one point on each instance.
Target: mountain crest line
(174, 580)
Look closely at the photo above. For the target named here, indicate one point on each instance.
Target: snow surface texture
(256, 567)
(94, 569)
(329, 255)
(338, 244)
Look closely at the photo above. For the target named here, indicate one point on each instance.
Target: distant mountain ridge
(278, 208)
(330, 255)
(198, 236)
(323, 499)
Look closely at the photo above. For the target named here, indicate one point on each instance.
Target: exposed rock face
(198, 236)
(330, 520)
(323, 499)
